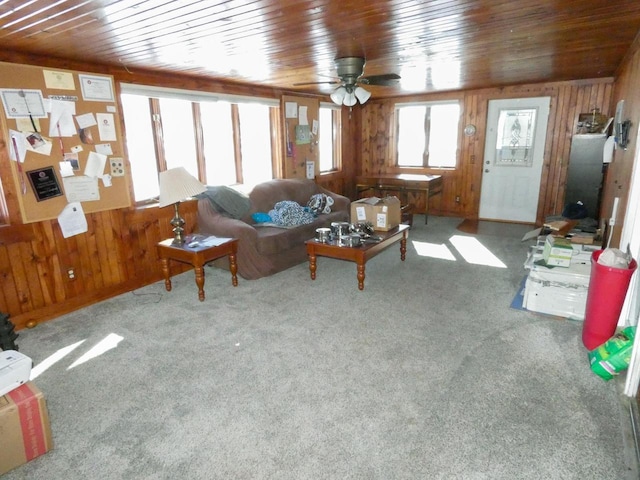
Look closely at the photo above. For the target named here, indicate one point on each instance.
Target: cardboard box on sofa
(383, 213)
(24, 426)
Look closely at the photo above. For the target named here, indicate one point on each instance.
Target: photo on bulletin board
(303, 135)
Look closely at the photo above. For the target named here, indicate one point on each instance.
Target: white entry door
(513, 158)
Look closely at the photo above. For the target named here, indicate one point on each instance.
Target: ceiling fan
(350, 71)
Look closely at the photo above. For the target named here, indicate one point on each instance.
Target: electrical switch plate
(117, 167)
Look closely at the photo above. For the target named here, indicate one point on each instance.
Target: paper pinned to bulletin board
(63, 128)
(300, 124)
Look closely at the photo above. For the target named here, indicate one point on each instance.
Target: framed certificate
(44, 183)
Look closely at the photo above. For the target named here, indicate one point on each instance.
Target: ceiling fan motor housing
(349, 68)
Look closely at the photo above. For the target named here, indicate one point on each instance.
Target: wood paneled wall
(620, 170)
(568, 99)
(118, 252)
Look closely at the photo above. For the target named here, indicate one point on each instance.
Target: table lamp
(176, 185)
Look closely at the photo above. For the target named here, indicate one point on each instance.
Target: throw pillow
(260, 217)
(227, 201)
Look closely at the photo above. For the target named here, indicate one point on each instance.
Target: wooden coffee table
(359, 254)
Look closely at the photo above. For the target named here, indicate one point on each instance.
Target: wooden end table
(359, 254)
(197, 256)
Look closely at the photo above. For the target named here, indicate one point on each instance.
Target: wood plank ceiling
(433, 45)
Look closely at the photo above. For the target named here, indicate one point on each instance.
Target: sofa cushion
(227, 201)
(273, 240)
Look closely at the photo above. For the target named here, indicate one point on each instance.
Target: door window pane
(514, 144)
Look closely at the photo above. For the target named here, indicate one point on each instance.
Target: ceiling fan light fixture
(362, 95)
(338, 95)
(350, 99)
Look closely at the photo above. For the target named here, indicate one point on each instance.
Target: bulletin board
(301, 127)
(62, 130)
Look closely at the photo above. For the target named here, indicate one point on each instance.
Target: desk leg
(233, 268)
(200, 281)
(167, 273)
(403, 246)
(360, 276)
(312, 266)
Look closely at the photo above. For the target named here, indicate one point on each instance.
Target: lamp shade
(176, 185)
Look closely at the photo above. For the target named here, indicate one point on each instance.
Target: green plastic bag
(612, 357)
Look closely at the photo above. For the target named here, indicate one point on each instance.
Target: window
(427, 134)
(330, 145)
(219, 141)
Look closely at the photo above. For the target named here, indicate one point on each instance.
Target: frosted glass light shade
(350, 99)
(338, 95)
(362, 95)
(349, 96)
(176, 184)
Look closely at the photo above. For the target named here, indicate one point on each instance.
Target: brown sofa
(265, 250)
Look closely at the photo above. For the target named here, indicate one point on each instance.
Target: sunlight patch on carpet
(474, 252)
(53, 359)
(433, 250)
(107, 343)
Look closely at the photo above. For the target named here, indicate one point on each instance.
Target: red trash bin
(605, 297)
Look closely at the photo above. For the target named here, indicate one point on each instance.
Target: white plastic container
(560, 291)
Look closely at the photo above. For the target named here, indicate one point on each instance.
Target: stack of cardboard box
(25, 432)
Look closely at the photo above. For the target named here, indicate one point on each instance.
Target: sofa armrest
(340, 203)
(214, 223)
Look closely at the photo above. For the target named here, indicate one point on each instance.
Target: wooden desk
(197, 257)
(430, 185)
(359, 254)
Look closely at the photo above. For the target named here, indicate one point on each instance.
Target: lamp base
(178, 223)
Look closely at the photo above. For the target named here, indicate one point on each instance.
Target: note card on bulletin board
(57, 124)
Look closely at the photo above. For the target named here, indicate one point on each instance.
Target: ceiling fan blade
(328, 82)
(386, 79)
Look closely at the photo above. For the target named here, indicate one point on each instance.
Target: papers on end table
(202, 241)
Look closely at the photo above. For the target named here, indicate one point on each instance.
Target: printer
(15, 369)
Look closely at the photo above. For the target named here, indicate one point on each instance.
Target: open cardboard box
(383, 213)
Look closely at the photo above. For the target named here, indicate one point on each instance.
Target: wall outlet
(71, 274)
(117, 167)
(457, 198)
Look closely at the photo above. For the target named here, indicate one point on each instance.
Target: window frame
(425, 158)
(336, 137)
(155, 93)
